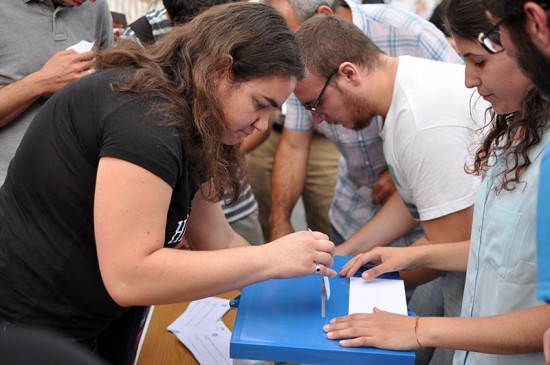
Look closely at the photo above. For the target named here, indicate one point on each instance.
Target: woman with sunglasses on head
(120, 168)
(502, 321)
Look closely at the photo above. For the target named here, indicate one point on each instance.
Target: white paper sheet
(201, 312)
(202, 331)
(385, 294)
(209, 346)
(82, 46)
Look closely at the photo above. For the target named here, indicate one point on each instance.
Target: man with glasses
(524, 33)
(428, 126)
(524, 29)
(364, 182)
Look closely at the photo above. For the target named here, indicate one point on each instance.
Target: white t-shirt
(430, 132)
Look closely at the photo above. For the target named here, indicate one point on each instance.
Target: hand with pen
(299, 254)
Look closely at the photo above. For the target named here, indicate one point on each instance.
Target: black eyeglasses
(313, 108)
(490, 40)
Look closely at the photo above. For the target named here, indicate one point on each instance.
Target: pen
(323, 294)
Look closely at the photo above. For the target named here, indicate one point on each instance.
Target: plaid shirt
(396, 32)
(159, 21)
(133, 9)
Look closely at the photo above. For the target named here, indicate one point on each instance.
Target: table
(161, 346)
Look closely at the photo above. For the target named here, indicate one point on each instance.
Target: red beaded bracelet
(416, 332)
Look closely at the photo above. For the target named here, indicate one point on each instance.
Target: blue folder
(280, 320)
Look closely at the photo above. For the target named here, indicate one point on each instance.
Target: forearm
(17, 97)
(63, 67)
(546, 345)
(287, 185)
(288, 179)
(444, 256)
(432, 260)
(454, 231)
(389, 224)
(205, 213)
(511, 333)
(171, 276)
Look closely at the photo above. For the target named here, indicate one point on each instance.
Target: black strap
(143, 30)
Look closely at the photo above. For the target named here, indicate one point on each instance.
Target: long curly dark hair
(250, 39)
(517, 132)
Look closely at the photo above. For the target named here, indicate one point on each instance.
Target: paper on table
(209, 346)
(82, 46)
(202, 331)
(385, 294)
(201, 312)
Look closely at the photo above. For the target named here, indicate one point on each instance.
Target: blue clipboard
(280, 320)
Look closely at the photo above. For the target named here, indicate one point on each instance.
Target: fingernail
(330, 334)
(366, 275)
(326, 327)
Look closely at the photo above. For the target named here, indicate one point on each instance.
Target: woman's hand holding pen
(299, 253)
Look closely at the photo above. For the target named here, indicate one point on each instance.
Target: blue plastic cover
(280, 320)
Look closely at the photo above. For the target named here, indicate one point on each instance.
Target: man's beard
(361, 113)
(533, 62)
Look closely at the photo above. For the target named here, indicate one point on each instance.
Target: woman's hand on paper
(381, 329)
(386, 259)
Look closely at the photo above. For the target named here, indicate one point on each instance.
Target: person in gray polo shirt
(34, 62)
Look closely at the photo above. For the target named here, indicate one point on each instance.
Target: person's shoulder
(394, 16)
(157, 15)
(442, 79)
(413, 64)
(159, 21)
(433, 75)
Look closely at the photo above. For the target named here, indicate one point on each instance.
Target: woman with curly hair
(502, 321)
(120, 168)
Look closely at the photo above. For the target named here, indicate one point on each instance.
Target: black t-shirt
(49, 273)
